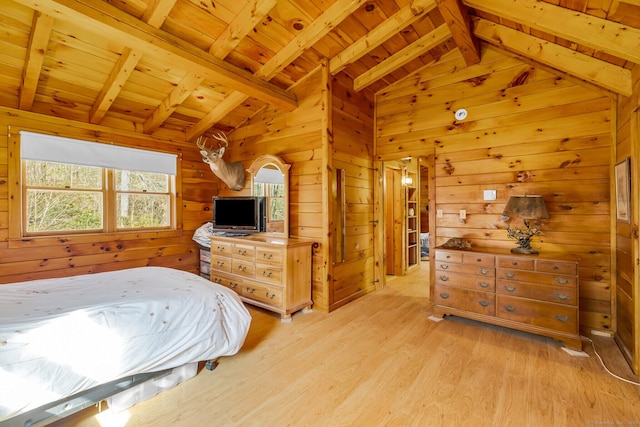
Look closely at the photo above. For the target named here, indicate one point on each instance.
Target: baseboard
(575, 353)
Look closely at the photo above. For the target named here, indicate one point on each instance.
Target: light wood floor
(379, 361)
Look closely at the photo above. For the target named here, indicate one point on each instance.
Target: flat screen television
(239, 215)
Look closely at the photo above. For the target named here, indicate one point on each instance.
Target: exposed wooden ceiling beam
(457, 18)
(600, 73)
(409, 53)
(317, 29)
(600, 34)
(100, 17)
(157, 12)
(320, 27)
(383, 32)
(112, 87)
(38, 41)
(250, 16)
(168, 105)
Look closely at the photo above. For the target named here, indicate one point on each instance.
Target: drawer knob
(444, 278)
(242, 251)
(510, 275)
(484, 271)
(514, 263)
(233, 285)
(270, 296)
(242, 268)
(510, 308)
(484, 303)
(561, 297)
(478, 259)
(561, 281)
(510, 288)
(444, 295)
(483, 284)
(561, 318)
(220, 263)
(266, 273)
(267, 256)
(444, 266)
(250, 290)
(220, 248)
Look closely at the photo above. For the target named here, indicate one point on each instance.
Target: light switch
(439, 213)
(489, 194)
(463, 214)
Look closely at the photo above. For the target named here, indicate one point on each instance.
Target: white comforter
(62, 336)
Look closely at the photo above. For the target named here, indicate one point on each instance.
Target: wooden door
(394, 211)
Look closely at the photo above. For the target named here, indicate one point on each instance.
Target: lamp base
(526, 251)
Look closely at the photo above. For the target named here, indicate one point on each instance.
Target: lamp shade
(527, 207)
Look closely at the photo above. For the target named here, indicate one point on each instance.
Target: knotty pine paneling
(527, 131)
(627, 290)
(352, 151)
(38, 258)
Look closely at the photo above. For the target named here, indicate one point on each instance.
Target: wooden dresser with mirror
(267, 269)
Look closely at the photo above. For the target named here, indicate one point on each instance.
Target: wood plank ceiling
(177, 68)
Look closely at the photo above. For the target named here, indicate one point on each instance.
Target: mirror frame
(269, 159)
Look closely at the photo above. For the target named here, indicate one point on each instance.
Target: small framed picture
(623, 191)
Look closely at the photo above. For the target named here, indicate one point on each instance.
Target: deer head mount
(231, 174)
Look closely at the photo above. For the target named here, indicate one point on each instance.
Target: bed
(60, 337)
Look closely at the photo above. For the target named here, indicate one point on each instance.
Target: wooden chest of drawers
(533, 293)
(271, 273)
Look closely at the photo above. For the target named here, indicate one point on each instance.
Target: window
(71, 186)
(275, 199)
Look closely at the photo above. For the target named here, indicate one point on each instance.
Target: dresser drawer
(269, 273)
(221, 263)
(220, 248)
(479, 270)
(271, 256)
(227, 281)
(271, 295)
(535, 277)
(243, 268)
(448, 256)
(478, 259)
(466, 299)
(460, 280)
(557, 267)
(243, 252)
(546, 315)
(516, 263)
(561, 295)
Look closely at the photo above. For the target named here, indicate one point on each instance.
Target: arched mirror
(270, 179)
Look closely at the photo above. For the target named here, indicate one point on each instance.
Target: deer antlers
(201, 142)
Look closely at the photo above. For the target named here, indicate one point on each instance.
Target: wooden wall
(35, 258)
(627, 283)
(528, 131)
(297, 138)
(352, 151)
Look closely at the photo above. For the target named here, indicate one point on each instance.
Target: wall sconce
(525, 207)
(407, 180)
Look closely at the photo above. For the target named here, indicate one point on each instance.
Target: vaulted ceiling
(177, 68)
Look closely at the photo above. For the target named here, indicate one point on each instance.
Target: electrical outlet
(439, 213)
(463, 214)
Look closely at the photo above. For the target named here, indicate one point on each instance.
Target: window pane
(143, 210)
(276, 209)
(63, 210)
(142, 181)
(62, 175)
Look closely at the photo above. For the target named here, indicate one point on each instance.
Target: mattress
(65, 335)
